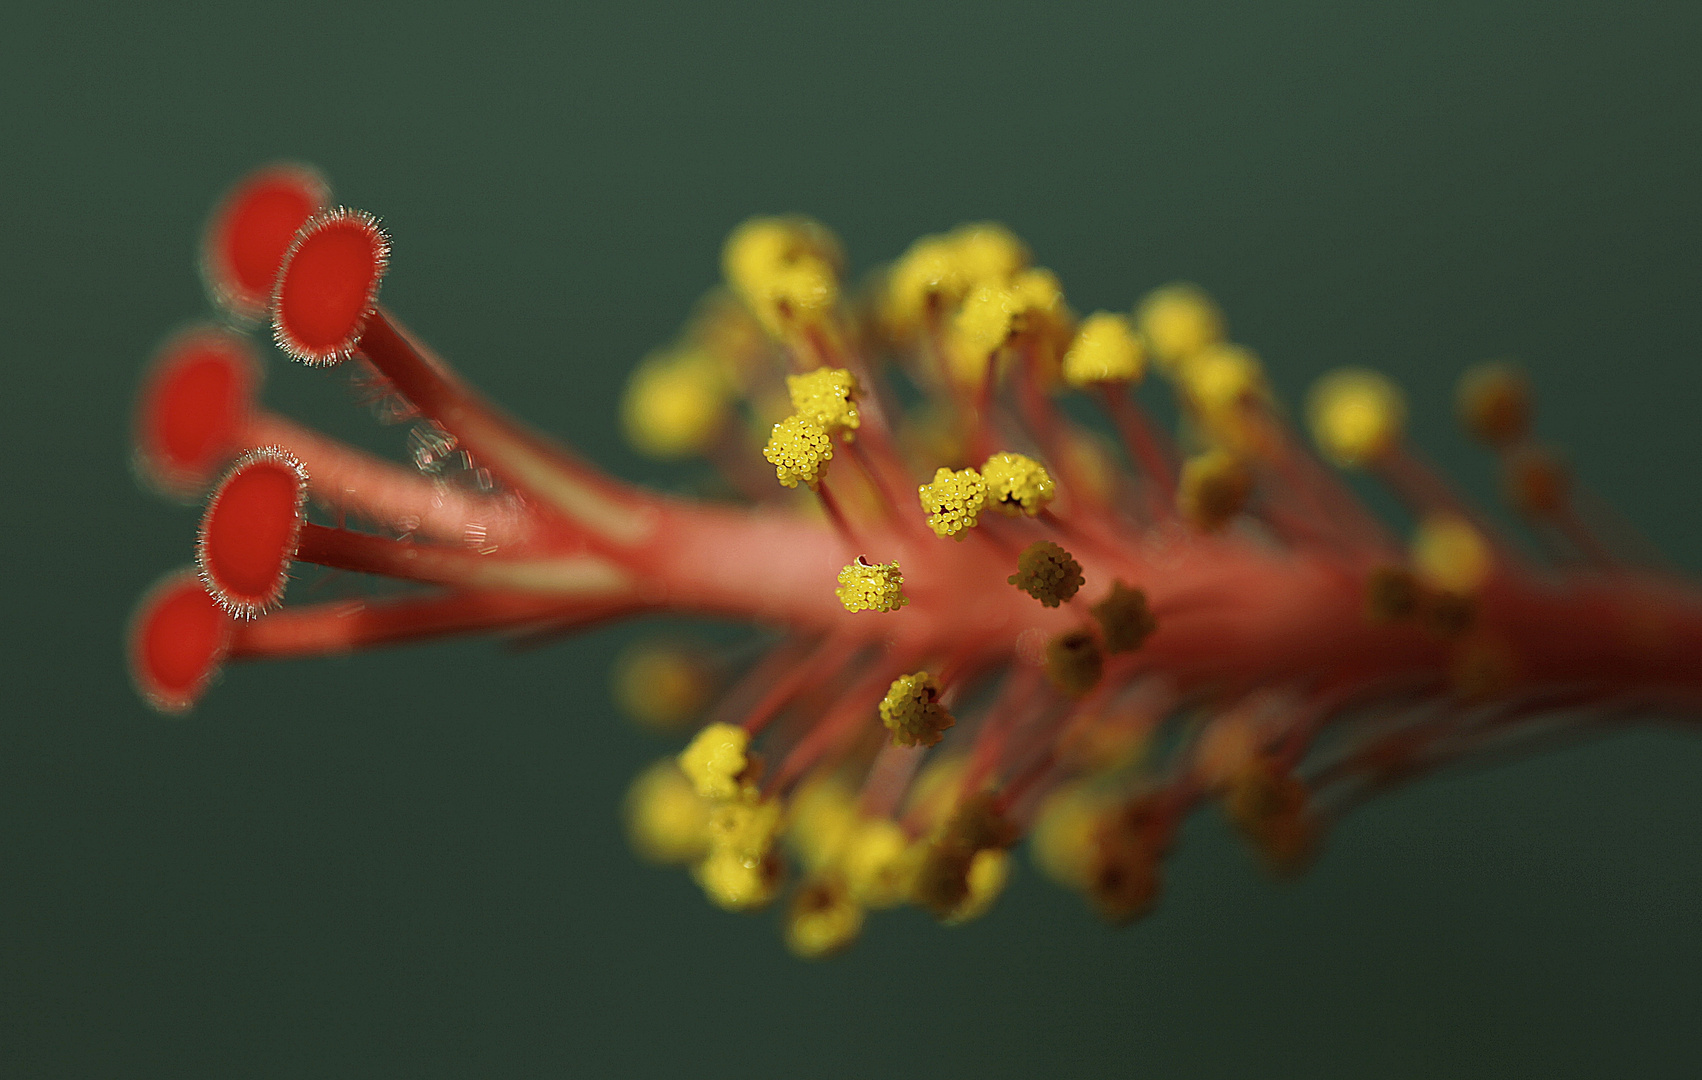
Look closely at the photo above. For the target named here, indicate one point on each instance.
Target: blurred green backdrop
(408, 864)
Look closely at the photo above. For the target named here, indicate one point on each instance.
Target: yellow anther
(1177, 322)
(937, 272)
(1449, 554)
(1074, 662)
(746, 825)
(823, 919)
(865, 587)
(1047, 572)
(741, 870)
(1125, 619)
(1220, 378)
(1017, 484)
(666, 820)
(715, 759)
(675, 403)
(953, 501)
(1213, 489)
(935, 794)
(662, 685)
(988, 872)
(1356, 415)
(1062, 843)
(799, 449)
(912, 711)
(984, 323)
(879, 863)
(1494, 403)
(735, 883)
(821, 819)
(785, 269)
(1106, 350)
(827, 396)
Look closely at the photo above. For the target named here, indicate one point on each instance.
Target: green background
(408, 863)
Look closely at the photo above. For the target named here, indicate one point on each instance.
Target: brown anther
(1123, 878)
(1391, 595)
(1047, 572)
(1272, 808)
(1536, 482)
(1448, 615)
(1074, 662)
(942, 881)
(1494, 402)
(1125, 619)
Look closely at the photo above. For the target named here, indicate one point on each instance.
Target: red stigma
(327, 286)
(177, 641)
(250, 529)
(194, 404)
(249, 234)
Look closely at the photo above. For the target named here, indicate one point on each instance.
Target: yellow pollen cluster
(939, 271)
(667, 821)
(953, 501)
(1213, 489)
(1106, 350)
(1218, 380)
(741, 871)
(1047, 572)
(992, 314)
(824, 919)
(912, 711)
(826, 396)
(1356, 415)
(786, 270)
(879, 862)
(1017, 484)
(676, 403)
(663, 685)
(1177, 322)
(1450, 554)
(865, 587)
(714, 760)
(799, 449)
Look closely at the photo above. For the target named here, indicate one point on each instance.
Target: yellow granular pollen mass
(1062, 842)
(1106, 350)
(1017, 484)
(740, 871)
(714, 760)
(912, 711)
(799, 449)
(1177, 322)
(1450, 554)
(937, 272)
(786, 270)
(823, 919)
(953, 501)
(662, 685)
(989, 870)
(1213, 489)
(827, 396)
(1219, 378)
(675, 404)
(666, 820)
(820, 820)
(879, 863)
(1356, 415)
(865, 587)
(983, 324)
(737, 884)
